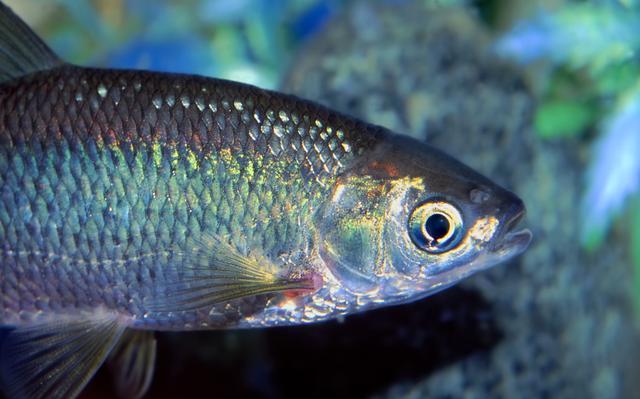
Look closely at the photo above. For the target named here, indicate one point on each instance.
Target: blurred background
(542, 96)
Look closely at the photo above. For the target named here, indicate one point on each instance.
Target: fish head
(408, 220)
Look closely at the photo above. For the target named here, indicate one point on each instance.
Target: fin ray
(216, 272)
(133, 362)
(21, 51)
(56, 359)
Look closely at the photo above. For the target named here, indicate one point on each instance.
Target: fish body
(107, 175)
(134, 201)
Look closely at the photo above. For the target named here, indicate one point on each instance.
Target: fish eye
(435, 226)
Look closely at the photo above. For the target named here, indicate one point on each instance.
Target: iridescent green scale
(102, 172)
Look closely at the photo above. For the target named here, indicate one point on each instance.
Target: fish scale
(130, 164)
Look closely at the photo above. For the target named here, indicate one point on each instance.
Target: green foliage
(592, 239)
(563, 118)
(616, 78)
(569, 105)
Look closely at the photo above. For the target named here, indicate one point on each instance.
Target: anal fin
(132, 362)
(55, 359)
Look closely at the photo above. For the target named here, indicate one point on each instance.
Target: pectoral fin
(55, 359)
(132, 361)
(215, 272)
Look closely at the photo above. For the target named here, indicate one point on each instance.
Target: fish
(136, 201)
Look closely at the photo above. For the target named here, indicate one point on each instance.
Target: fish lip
(516, 242)
(511, 241)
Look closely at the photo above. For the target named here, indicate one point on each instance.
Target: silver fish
(134, 201)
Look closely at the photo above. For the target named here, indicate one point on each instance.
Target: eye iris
(437, 225)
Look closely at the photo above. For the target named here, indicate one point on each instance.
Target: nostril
(478, 196)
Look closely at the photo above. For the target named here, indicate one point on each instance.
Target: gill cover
(351, 228)
(364, 228)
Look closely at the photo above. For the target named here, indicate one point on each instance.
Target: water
(557, 322)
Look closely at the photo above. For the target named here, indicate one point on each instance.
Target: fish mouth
(512, 242)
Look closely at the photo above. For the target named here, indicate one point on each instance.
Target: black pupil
(437, 225)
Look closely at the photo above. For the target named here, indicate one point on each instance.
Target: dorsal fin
(21, 51)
